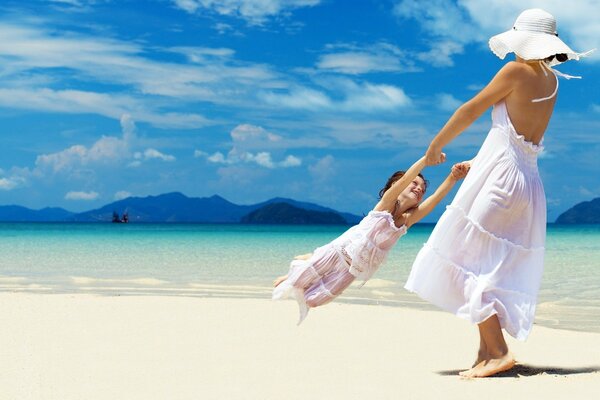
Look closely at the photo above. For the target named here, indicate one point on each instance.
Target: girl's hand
(434, 156)
(460, 170)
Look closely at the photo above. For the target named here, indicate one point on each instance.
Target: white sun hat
(533, 37)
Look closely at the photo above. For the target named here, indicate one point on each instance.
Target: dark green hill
(587, 212)
(284, 213)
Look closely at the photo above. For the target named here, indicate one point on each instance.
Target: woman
(484, 259)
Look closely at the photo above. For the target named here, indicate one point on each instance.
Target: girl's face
(413, 194)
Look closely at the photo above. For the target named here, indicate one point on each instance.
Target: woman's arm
(459, 171)
(388, 200)
(500, 86)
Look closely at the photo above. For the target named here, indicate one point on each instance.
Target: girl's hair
(395, 176)
(559, 57)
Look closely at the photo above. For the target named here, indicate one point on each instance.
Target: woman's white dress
(485, 256)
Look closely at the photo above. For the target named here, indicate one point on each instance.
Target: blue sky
(316, 100)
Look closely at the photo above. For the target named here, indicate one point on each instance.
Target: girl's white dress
(485, 256)
(356, 254)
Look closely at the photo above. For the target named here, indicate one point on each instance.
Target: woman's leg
(482, 352)
(498, 358)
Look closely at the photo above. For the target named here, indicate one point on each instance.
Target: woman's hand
(434, 156)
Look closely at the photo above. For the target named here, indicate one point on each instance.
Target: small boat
(120, 220)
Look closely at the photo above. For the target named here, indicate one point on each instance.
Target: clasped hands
(434, 156)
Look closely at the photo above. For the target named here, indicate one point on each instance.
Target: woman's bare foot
(482, 355)
(490, 367)
(303, 256)
(277, 281)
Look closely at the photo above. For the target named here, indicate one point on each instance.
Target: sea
(242, 261)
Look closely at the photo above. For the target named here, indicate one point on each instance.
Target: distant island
(284, 213)
(587, 212)
(178, 208)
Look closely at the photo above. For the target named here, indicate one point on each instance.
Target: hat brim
(530, 46)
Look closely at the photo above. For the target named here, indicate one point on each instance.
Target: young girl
(484, 259)
(317, 278)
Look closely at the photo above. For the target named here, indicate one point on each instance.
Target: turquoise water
(242, 260)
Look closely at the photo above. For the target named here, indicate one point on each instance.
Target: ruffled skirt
(485, 256)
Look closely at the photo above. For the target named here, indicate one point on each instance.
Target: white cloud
(248, 144)
(291, 161)
(263, 159)
(153, 154)
(255, 12)
(447, 102)
(187, 5)
(202, 55)
(107, 149)
(11, 183)
(222, 28)
(587, 192)
(108, 105)
(122, 194)
(31, 53)
(248, 136)
(350, 59)
(577, 23)
(85, 196)
(357, 97)
(323, 169)
(370, 97)
(128, 128)
(455, 24)
(475, 87)
(218, 158)
(441, 53)
(298, 98)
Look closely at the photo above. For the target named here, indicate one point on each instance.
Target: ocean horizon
(241, 260)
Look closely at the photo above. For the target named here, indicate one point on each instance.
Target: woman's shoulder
(514, 70)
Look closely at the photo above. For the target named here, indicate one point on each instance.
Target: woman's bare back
(528, 118)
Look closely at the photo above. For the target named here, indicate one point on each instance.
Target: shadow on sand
(520, 370)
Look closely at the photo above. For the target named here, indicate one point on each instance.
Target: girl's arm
(388, 200)
(459, 171)
(499, 87)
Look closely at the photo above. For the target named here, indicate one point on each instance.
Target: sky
(315, 100)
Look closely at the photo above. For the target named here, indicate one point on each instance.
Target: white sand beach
(78, 346)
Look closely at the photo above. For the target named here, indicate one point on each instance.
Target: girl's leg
(328, 288)
(498, 359)
(306, 278)
(280, 279)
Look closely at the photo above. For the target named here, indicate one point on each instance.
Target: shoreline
(377, 292)
(72, 346)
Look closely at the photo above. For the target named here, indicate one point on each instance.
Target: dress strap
(556, 73)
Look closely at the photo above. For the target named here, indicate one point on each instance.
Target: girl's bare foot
(277, 281)
(490, 367)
